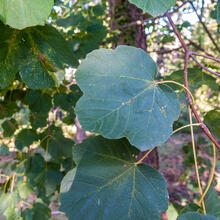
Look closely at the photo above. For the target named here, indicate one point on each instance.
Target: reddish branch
(188, 54)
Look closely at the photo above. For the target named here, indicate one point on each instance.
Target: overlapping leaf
(212, 203)
(121, 98)
(25, 13)
(108, 185)
(154, 7)
(39, 54)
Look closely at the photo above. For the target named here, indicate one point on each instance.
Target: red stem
(204, 67)
(186, 61)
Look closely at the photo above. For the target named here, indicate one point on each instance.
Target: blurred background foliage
(38, 128)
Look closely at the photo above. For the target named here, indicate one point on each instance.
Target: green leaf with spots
(108, 185)
(25, 13)
(195, 216)
(121, 98)
(154, 7)
(38, 54)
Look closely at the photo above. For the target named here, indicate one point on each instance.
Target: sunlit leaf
(25, 13)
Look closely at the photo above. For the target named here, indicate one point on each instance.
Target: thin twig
(207, 57)
(186, 61)
(145, 155)
(204, 67)
(198, 47)
(205, 27)
(195, 160)
(211, 176)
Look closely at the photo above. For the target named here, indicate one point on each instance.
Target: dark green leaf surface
(9, 55)
(196, 78)
(9, 127)
(25, 13)
(108, 185)
(25, 138)
(58, 146)
(154, 7)
(121, 98)
(7, 109)
(195, 216)
(212, 119)
(191, 207)
(39, 54)
(212, 203)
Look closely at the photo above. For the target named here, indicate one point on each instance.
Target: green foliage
(153, 7)
(21, 14)
(142, 189)
(115, 93)
(212, 119)
(9, 127)
(143, 112)
(212, 203)
(38, 54)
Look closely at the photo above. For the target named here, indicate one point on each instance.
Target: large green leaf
(39, 54)
(154, 7)
(212, 203)
(25, 13)
(195, 216)
(121, 98)
(108, 185)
